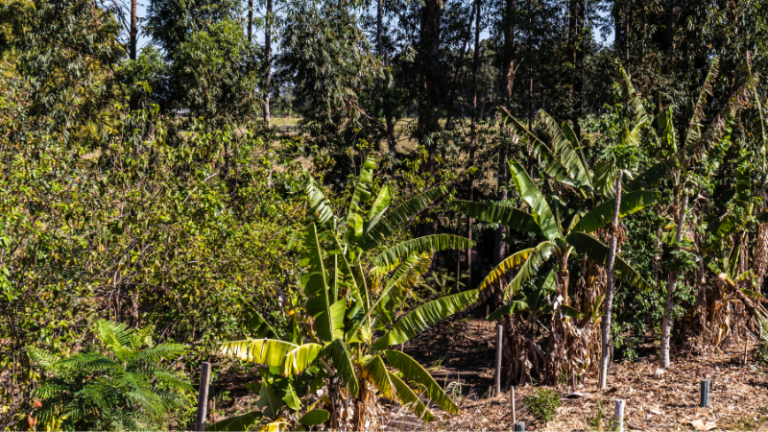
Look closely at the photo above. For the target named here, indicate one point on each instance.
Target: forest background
(154, 188)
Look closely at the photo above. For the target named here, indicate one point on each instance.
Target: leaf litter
(655, 401)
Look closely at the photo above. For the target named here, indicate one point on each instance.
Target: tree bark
(134, 30)
(430, 47)
(508, 68)
(671, 285)
(391, 144)
(268, 60)
(250, 20)
(508, 76)
(571, 56)
(579, 73)
(530, 63)
(609, 270)
(379, 28)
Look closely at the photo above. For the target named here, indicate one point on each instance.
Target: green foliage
(328, 59)
(351, 292)
(212, 73)
(543, 404)
(121, 383)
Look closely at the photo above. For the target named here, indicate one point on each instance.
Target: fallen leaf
(656, 411)
(702, 426)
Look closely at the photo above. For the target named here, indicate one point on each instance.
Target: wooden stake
(573, 381)
(202, 396)
(618, 415)
(746, 347)
(499, 335)
(514, 414)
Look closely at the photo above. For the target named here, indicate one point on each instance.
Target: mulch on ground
(655, 400)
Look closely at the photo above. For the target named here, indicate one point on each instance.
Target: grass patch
(543, 404)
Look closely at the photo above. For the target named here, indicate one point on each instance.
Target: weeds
(597, 423)
(543, 404)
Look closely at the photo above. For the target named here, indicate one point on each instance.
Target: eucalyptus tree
(356, 281)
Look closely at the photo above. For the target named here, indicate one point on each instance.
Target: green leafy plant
(119, 384)
(543, 404)
(548, 260)
(355, 281)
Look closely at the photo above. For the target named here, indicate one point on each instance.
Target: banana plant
(558, 242)
(681, 159)
(356, 279)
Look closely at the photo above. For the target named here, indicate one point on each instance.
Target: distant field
(401, 125)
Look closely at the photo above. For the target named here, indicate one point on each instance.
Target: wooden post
(618, 416)
(499, 335)
(202, 396)
(573, 381)
(746, 346)
(487, 310)
(514, 414)
(520, 426)
(704, 394)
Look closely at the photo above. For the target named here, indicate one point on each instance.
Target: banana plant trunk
(671, 285)
(605, 358)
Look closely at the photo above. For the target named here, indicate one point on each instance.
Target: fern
(122, 385)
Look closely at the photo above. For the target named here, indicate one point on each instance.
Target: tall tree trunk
(671, 285)
(618, 27)
(133, 31)
(571, 56)
(508, 77)
(530, 63)
(430, 47)
(579, 75)
(391, 144)
(268, 60)
(380, 28)
(250, 20)
(605, 358)
(429, 105)
(473, 139)
(508, 67)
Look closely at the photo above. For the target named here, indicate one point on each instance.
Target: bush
(543, 404)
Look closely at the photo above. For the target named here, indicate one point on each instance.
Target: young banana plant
(355, 281)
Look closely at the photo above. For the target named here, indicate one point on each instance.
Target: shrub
(543, 404)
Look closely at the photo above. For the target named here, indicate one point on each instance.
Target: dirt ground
(654, 401)
(460, 355)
